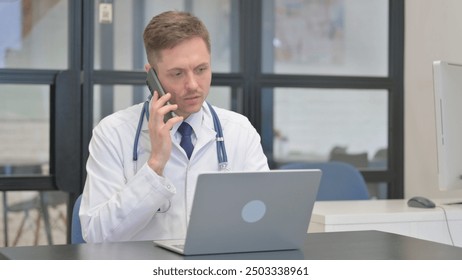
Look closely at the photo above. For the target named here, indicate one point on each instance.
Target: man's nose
(191, 82)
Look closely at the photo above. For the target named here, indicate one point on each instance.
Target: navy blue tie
(186, 130)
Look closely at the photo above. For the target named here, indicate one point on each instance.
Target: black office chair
(339, 181)
(76, 227)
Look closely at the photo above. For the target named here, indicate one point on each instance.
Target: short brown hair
(169, 29)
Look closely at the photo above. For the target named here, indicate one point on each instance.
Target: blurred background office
(339, 80)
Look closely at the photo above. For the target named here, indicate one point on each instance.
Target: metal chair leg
(5, 218)
(46, 219)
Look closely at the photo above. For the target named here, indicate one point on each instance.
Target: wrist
(156, 167)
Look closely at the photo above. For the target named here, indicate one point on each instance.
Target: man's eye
(201, 69)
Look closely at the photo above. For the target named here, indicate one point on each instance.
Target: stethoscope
(221, 150)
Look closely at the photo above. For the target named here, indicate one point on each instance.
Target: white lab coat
(124, 200)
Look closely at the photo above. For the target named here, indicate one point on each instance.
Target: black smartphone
(153, 83)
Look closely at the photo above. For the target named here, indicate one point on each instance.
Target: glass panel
(337, 37)
(119, 43)
(330, 124)
(109, 99)
(220, 97)
(34, 34)
(378, 190)
(25, 129)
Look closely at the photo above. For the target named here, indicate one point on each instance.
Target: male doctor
(150, 198)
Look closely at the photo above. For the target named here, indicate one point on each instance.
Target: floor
(33, 230)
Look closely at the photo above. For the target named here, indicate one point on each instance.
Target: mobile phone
(153, 83)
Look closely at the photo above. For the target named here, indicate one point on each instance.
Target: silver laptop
(236, 212)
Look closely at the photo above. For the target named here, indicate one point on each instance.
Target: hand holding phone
(153, 83)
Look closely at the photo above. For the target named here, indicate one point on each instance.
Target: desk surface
(380, 211)
(358, 245)
(441, 224)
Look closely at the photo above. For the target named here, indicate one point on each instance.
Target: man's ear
(147, 67)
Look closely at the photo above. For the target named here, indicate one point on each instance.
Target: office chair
(40, 202)
(76, 227)
(339, 181)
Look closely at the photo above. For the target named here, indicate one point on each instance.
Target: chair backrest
(339, 181)
(76, 228)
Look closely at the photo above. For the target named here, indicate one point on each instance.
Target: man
(150, 198)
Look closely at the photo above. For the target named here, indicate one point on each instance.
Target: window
(330, 86)
(26, 40)
(25, 127)
(314, 124)
(339, 37)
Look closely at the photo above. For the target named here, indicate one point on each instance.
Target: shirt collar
(203, 125)
(196, 120)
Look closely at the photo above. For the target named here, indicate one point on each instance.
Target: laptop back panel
(251, 211)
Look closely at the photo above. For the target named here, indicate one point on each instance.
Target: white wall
(433, 32)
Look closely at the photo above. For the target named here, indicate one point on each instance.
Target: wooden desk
(359, 245)
(390, 216)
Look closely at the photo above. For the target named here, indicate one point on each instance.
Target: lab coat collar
(202, 124)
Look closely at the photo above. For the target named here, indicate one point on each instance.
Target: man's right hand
(159, 131)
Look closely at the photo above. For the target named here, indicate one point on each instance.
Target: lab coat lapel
(207, 133)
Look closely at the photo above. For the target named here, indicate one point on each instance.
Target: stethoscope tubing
(221, 149)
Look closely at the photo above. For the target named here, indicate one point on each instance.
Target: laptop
(236, 212)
